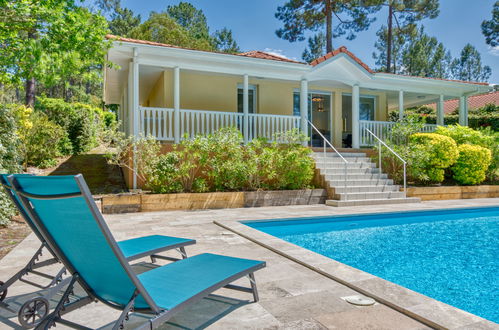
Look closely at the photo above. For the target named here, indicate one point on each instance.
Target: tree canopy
(468, 66)
(490, 28)
(48, 41)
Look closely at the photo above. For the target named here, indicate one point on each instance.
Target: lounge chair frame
(160, 315)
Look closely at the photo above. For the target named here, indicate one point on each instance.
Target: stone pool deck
(292, 296)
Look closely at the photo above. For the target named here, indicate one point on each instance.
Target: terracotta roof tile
(338, 51)
(267, 56)
(254, 54)
(474, 102)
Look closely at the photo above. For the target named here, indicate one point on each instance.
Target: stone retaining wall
(457, 192)
(126, 203)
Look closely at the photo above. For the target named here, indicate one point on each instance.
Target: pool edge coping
(413, 304)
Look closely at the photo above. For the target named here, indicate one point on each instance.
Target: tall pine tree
(333, 17)
(468, 66)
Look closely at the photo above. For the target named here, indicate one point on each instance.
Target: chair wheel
(32, 312)
(3, 294)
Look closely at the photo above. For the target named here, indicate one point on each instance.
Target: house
(169, 91)
(474, 102)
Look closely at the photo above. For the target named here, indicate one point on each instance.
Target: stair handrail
(325, 141)
(380, 142)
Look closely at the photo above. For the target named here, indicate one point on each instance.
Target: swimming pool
(449, 255)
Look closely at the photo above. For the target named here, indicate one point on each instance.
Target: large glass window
(251, 98)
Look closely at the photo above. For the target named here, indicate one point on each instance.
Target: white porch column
(304, 106)
(463, 110)
(133, 105)
(355, 116)
(440, 110)
(176, 104)
(401, 105)
(245, 108)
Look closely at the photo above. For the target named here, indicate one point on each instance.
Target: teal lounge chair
(132, 249)
(71, 224)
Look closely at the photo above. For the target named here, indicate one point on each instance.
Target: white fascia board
(428, 85)
(208, 61)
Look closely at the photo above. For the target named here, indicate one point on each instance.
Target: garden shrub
(83, 123)
(472, 164)
(219, 162)
(42, 139)
(485, 137)
(10, 158)
(431, 155)
(463, 134)
(293, 165)
(493, 146)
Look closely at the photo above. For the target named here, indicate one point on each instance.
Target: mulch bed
(12, 234)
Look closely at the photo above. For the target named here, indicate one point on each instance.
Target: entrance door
(319, 113)
(367, 106)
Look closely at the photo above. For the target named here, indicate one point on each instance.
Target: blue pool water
(449, 255)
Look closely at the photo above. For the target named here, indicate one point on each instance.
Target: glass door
(319, 113)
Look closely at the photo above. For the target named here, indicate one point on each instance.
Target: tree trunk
(329, 27)
(30, 92)
(389, 37)
(30, 81)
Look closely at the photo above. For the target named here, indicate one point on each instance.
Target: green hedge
(83, 123)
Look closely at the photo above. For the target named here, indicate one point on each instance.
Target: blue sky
(253, 24)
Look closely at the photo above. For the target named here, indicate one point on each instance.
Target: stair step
(320, 159)
(366, 189)
(338, 176)
(350, 171)
(359, 182)
(370, 195)
(344, 154)
(328, 165)
(338, 203)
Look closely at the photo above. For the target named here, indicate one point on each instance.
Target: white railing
(380, 142)
(157, 122)
(263, 125)
(325, 144)
(382, 129)
(200, 122)
(160, 123)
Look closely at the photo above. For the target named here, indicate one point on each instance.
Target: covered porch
(172, 94)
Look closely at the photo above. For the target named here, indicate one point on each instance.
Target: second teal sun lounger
(86, 247)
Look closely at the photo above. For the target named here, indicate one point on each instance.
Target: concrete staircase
(365, 185)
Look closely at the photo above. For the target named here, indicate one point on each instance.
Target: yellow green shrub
(472, 164)
(431, 155)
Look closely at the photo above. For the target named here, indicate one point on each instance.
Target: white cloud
(278, 52)
(494, 50)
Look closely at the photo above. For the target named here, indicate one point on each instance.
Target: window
(251, 98)
(366, 108)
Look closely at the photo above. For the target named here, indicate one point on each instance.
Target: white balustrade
(382, 129)
(263, 125)
(158, 122)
